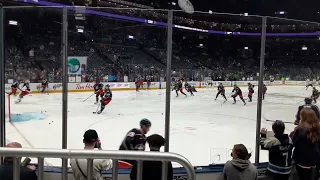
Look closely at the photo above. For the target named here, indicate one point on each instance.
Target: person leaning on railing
(27, 172)
(306, 140)
(79, 166)
(152, 169)
(239, 168)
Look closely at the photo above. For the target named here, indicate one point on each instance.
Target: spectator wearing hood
(239, 168)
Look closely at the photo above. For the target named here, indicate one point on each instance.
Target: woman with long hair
(306, 138)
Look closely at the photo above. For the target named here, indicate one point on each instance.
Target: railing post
(114, 169)
(40, 168)
(89, 169)
(139, 169)
(16, 168)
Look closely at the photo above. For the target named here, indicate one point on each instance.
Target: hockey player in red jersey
(221, 91)
(98, 90)
(148, 83)
(179, 88)
(25, 90)
(14, 88)
(264, 91)
(106, 98)
(237, 92)
(44, 85)
(251, 91)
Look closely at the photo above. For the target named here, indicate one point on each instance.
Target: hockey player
(308, 104)
(25, 90)
(315, 95)
(137, 85)
(308, 85)
(148, 83)
(251, 91)
(14, 88)
(179, 88)
(188, 88)
(221, 91)
(98, 90)
(135, 139)
(105, 98)
(264, 91)
(44, 85)
(280, 151)
(237, 92)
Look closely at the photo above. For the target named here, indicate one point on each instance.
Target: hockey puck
(119, 114)
(161, 113)
(49, 123)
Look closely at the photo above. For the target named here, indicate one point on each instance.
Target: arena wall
(121, 86)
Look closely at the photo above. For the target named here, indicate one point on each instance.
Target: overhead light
(281, 12)
(210, 12)
(130, 37)
(11, 22)
(80, 30)
(200, 45)
(245, 14)
(304, 48)
(173, 3)
(246, 47)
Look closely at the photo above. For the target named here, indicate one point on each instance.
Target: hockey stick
(97, 109)
(225, 99)
(88, 97)
(270, 120)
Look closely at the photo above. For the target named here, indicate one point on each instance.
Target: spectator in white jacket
(79, 166)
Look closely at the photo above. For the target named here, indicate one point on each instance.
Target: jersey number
(287, 156)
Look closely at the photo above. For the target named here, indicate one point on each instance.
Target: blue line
(129, 18)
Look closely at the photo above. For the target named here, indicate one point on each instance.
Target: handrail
(16, 153)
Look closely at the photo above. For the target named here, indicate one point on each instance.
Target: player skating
(44, 85)
(189, 88)
(98, 90)
(148, 83)
(309, 84)
(135, 139)
(105, 98)
(308, 104)
(315, 95)
(137, 83)
(25, 90)
(179, 88)
(237, 92)
(264, 91)
(221, 91)
(251, 91)
(14, 88)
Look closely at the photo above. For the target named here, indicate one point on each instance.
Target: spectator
(308, 104)
(306, 138)
(239, 168)
(6, 170)
(152, 169)
(280, 150)
(79, 166)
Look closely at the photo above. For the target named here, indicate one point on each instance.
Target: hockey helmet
(145, 122)
(235, 85)
(308, 100)
(107, 85)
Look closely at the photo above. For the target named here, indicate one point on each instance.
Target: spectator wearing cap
(79, 166)
(280, 151)
(136, 138)
(6, 170)
(308, 104)
(306, 138)
(239, 168)
(152, 169)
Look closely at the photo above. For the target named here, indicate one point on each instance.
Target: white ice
(201, 129)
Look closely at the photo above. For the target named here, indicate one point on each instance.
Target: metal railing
(17, 153)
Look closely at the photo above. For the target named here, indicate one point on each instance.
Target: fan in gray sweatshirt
(238, 169)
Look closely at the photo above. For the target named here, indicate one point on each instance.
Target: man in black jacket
(6, 170)
(308, 104)
(152, 169)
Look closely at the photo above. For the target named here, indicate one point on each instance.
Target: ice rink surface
(201, 129)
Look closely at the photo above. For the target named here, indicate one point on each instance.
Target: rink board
(121, 86)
